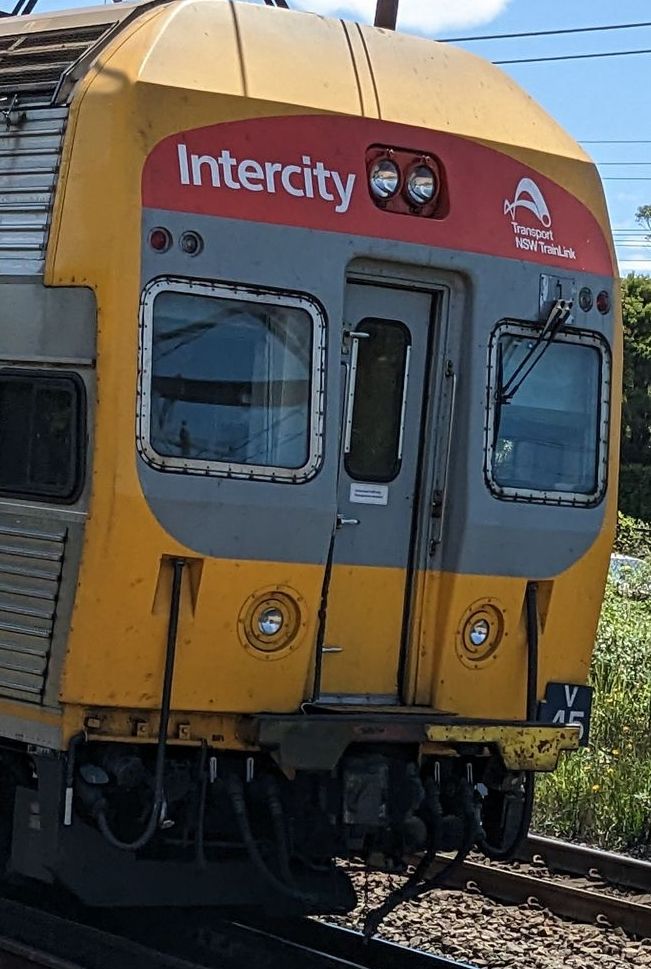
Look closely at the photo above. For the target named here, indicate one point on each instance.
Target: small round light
(160, 240)
(384, 178)
(478, 632)
(421, 185)
(585, 299)
(270, 622)
(191, 243)
(603, 301)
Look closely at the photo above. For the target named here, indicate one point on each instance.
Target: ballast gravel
(472, 929)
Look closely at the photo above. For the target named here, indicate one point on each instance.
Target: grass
(602, 794)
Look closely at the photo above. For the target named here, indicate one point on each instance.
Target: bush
(602, 794)
(633, 537)
(635, 490)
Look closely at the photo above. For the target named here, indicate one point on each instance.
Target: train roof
(284, 57)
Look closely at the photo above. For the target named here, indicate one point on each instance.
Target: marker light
(160, 240)
(585, 299)
(191, 243)
(603, 301)
(421, 185)
(384, 179)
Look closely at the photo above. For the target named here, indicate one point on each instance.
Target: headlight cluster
(403, 177)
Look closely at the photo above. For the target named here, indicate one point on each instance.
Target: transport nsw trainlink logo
(307, 180)
(530, 238)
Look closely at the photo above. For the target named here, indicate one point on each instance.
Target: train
(310, 378)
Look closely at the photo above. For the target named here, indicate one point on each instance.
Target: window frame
(78, 463)
(572, 335)
(226, 469)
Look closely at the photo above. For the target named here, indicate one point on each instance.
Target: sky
(597, 99)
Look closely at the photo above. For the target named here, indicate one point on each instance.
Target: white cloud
(416, 16)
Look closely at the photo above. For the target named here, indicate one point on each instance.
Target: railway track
(33, 937)
(582, 884)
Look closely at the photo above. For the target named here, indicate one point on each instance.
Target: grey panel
(279, 522)
(39, 323)
(30, 150)
(31, 561)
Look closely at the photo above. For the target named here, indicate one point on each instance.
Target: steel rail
(346, 946)
(56, 942)
(193, 940)
(561, 856)
(563, 898)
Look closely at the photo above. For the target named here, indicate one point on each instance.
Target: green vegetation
(602, 794)
(635, 477)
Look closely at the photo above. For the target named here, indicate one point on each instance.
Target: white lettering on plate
(369, 494)
(305, 180)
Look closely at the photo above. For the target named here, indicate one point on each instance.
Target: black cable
(166, 700)
(543, 33)
(531, 606)
(504, 852)
(280, 831)
(200, 842)
(235, 791)
(414, 887)
(573, 57)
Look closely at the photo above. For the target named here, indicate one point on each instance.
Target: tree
(636, 414)
(643, 217)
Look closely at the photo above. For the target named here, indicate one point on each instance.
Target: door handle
(332, 649)
(342, 522)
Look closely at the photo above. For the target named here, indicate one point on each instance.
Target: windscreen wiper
(558, 316)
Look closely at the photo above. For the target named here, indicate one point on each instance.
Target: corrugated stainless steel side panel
(30, 153)
(31, 561)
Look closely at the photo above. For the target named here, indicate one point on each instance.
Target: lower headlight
(270, 622)
(479, 632)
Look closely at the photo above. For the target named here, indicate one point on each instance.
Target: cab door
(386, 351)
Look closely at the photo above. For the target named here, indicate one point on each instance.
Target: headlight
(384, 179)
(478, 632)
(270, 622)
(421, 185)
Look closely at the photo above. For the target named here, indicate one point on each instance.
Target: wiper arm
(559, 315)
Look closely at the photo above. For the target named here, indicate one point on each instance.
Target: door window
(378, 379)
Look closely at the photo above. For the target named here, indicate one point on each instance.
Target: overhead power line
(574, 57)
(543, 33)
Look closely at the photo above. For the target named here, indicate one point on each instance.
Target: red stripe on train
(311, 172)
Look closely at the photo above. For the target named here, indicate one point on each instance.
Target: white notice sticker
(369, 494)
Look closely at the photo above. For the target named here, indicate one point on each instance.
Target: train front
(354, 458)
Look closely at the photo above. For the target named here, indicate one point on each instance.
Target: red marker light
(160, 240)
(603, 301)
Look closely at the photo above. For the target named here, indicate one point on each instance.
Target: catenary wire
(573, 57)
(544, 33)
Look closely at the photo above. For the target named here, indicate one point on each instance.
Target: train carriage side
(308, 395)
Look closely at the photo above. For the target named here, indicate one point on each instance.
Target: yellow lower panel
(116, 650)
(364, 621)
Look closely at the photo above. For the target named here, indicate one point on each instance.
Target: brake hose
(166, 699)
